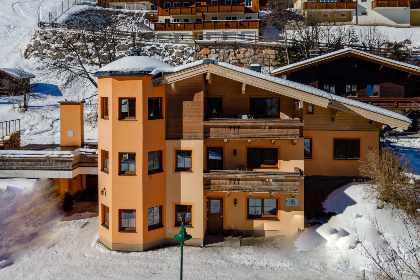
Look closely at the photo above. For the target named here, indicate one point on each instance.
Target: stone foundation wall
(11, 141)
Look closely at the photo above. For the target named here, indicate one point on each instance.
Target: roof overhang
(281, 89)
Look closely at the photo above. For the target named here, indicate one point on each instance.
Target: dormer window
(248, 3)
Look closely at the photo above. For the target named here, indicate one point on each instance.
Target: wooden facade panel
(184, 109)
(330, 119)
(235, 102)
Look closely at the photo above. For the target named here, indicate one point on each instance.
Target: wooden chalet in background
(208, 18)
(14, 81)
(358, 75)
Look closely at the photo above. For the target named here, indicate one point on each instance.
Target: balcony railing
(253, 129)
(329, 5)
(186, 26)
(253, 181)
(152, 16)
(221, 9)
(390, 3)
(182, 11)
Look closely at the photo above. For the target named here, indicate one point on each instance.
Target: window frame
(128, 108)
(264, 115)
(104, 158)
(311, 110)
(262, 158)
(126, 229)
(248, 3)
(185, 4)
(105, 221)
(183, 169)
(159, 107)
(190, 207)
(214, 2)
(120, 172)
(346, 153)
(156, 170)
(158, 225)
(262, 216)
(105, 108)
(166, 5)
(311, 148)
(176, 4)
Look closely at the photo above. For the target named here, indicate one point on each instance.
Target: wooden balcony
(151, 16)
(273, 129)
(390, 4)
(253, 181)
(191, 26)
(220, 9)
(182, 11)
(414, 5)
(329, 5)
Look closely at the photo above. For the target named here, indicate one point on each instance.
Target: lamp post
(182, 236)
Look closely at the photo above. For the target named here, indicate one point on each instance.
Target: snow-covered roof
(18, 73)
(147, 65)
(321, 57)
(132, 65)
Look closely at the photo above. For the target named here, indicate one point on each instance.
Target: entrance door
(214, 158)
(214, 215)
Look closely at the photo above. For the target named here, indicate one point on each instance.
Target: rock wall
(48, 44)
(11, 141)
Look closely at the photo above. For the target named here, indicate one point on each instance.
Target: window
(128, 220)
(214, 107)
(231, 18)
(185, 4)
(197, 4)
(175, 20)
(307, 148)
(310, 109)
(342, 15)
(105, 160)
(168, 20)
(104, 108)
(351, 90)
(364, 13)
(213, 18)
(248, 3)
(271, 3)
(127, 108)
(183, 160)
(105, 216)
(176, 5)
(186, 20)
(231, 2)
(166, 5)
(262, 208)
(262, 157)
(329, 88)
(185, 212)
(198, 20)
(291, 3)
(325, 15)
(154, 217)
(214, 2)
(155, 107)
(346, 148)
(248, 17)
(265, 107)
(372, 90)
(127, 163)
(154, 163)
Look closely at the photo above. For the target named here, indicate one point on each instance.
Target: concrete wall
(381, 16)
(71, 124)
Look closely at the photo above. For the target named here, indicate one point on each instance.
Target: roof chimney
(255, 67)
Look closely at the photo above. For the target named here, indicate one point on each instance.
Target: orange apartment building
(225, 147)
(207, 19)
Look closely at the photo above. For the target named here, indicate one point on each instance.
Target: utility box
(71, 123)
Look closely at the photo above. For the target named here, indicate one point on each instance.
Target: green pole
(182, 236)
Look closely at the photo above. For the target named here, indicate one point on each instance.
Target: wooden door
(214, 215)
(215, 158)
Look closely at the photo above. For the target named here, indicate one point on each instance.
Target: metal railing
(9, 127)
